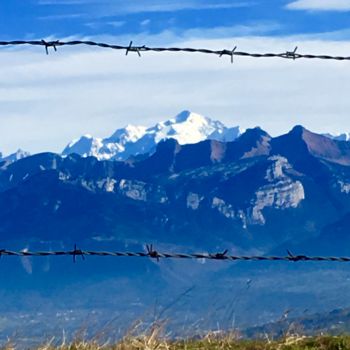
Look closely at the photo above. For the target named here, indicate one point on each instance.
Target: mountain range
(186, 128)
(238, 186)
(247, 192)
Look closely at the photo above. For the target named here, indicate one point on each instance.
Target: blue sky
(45, 101)
(42, 18)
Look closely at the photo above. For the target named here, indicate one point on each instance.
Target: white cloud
(116, 24)
(320, 5)
(106, 7)
(145, 22)
(98, 25)
(67, 16)
(48, 100)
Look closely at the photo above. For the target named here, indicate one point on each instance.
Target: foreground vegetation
(290, 343)
(154, 339)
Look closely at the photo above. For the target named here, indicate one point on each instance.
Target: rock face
(193, 200)
(225, 209)
(344, 187)
(141, 191)
(280, 192)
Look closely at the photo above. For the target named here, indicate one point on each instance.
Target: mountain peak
(186, 128)
(85, 146)
(253, 142)
(186, 115)
(297, 130)
(255, 132)
(19, 154)
(339, 137)
(130, 133)
(182, 116)
(303, 145)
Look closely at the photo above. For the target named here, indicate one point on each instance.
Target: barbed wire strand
(154, 254)
(293, 55)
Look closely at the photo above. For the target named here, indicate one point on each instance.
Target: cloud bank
(133, 6)
(320, 5)
(45, 101)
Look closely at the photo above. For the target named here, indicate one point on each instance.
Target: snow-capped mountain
(19, 154)
(185, 128)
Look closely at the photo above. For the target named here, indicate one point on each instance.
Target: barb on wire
(155, 254)
(232, 53)
(152, 253)
(50, 44)
(220, 256)
(295, 258)
(130, 48)
(224, 52)
(292, 54)
(77, 252)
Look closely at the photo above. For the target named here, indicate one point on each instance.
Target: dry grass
(152, 343)
(154, 338)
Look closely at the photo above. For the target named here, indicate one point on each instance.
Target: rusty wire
(293, 55)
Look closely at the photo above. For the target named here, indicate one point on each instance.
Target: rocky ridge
(239, 184)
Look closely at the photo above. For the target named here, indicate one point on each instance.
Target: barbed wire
(139, 49)
(154, 254)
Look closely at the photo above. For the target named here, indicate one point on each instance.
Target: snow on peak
(339, 137)
(19, 154)
(187, 116)
(85, 146)
(130, 133)
(187, 127)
